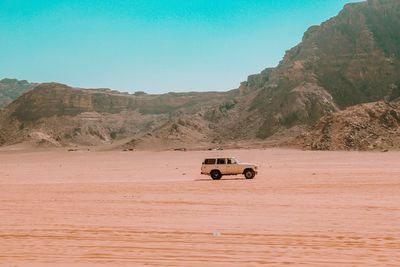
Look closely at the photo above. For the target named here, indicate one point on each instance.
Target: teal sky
(151, 45)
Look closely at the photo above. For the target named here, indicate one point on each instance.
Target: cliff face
(53, 99)
(350, 59)
(56, 114)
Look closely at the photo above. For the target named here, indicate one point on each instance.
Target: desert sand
(86, 208)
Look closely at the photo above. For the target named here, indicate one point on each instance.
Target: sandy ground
(155, 209)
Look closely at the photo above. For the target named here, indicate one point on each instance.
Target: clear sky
(151, 45)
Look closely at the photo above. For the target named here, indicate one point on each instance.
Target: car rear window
(209, 161)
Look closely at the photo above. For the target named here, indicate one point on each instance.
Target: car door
(230, 166)
(208, 165)
(221, 165)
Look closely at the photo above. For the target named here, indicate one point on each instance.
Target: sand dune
(155, 209)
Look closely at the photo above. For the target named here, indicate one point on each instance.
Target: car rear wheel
(215, 175)
(249, 174)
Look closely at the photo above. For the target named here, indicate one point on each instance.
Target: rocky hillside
(11, 89)
(58, 115)
(350, 59)
(52, 99)
(372, 126)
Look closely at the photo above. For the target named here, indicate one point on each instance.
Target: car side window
(221, 161)
(209, 161)
(230, 161)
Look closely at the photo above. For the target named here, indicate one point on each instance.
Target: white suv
(216, 167)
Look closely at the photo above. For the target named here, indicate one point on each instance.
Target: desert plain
(97, 208)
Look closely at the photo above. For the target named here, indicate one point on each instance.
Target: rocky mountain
(11, 89)
(351, 59)
(58, 115)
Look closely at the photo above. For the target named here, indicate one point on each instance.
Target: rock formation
(56, 114)
(351, 59)
(372, 126)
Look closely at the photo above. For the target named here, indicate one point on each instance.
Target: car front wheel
(216, 175)
(249, 174)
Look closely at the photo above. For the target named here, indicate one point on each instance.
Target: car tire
(249, 174)
(216, 175)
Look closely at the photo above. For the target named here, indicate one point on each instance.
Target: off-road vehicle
(217, 167)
